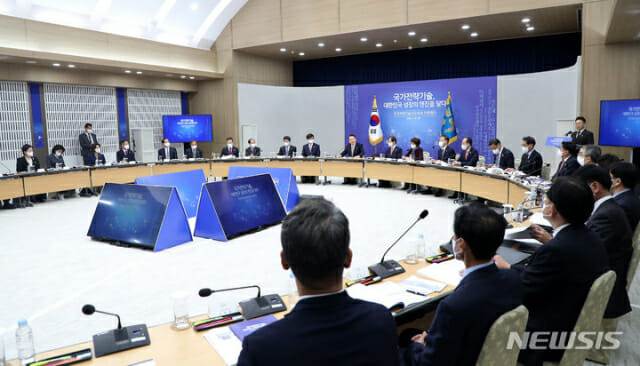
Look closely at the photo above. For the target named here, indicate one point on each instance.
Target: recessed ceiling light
(31, 62)
(363, 39)
(410, 48)
(465, 26)
(338, 49)
(194, 6)
(530, 28)
(395, 41)
(321, 44)
(423, 40)
(183, 76)
(71, 66)
(474, 34)
(526, 20)
(300, 53)
(127, 71)
(412, 33)
(378, 45)
(283, 49)
(192, 77)
(56, 65)
(139, 72)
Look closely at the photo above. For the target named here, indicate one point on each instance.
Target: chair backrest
(426, 155)
(494, 349)
(546, 171)
(457, 156)
(635, 257)
(482, 160)
(590, 317)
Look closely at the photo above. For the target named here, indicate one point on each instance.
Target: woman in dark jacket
(29, 163)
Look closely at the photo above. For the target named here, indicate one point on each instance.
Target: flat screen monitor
(620, 123)
(187, 127)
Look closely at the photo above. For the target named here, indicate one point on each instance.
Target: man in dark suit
(125, 152)
(502, 157)
(393, 152)
(581, 136)
(353, 149)
(624, 177)
(531, 160)
(560, 273)
(485, 292)
(589, 155)
(230, 150)
(87, 138)
(445, 152)
(469, 155)
(252, 150)
(167, 152)
(287, 149)
(326, 326)
(193, 152)
(610, 222)
(569, 163)
(310, 149)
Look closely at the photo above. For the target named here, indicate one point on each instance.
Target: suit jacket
(21, 164)
(121, 154)
(91, 159)
(506, 159)
(469, 157)
(585, 138)
(397, 153)
(172, 152)
(463, 318)
(234, 151)
(358, 150)
(610, 222)
(418, 155)
(556, 281)
(569, 167)
(189, 153)
(85, 143)
(315, 150)
(446, 154)
(255, 151)
(52, 160)
(326, 330)
(630, 203)
(283, 150)
(531, 165)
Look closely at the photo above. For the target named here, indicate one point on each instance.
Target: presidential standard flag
(375, 128)
(448, 125)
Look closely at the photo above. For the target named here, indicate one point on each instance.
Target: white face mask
(559, 153)
(544, 206)
(525, 149)
(581, 160)
(166, 144)
(310, 141)
(464, 147)
(58, 153)
(286, 143)
(98, 150)
(495, 151)
(30, 153)
(441, 144)
(89, 131)
(230, 146)
(413, 146)
(390, 144)
(456, 253)
(125, 147)
(252, 145)
(194, 146)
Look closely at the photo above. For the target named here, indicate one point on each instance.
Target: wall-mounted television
(187, 127)
(620, 123)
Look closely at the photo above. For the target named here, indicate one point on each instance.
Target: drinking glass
(180, 310)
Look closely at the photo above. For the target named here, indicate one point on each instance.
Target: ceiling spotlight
(410, 48)
(338, 49)
(192, 77)
(363, 39)
(31, 62)
(283, 49)
(300, 53)
(395, 41)
(530, 28)
(423, 40)
(321, 44)
(194, 6)
(71, 66)
(526, 20)
(474, 34)
(127, 71)
(56, 65)
(465, 26)
(139, 72)
(183, 76)
(378, 45)
(412, 33)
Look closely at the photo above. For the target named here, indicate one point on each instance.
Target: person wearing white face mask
(463, 319)
(28, 163)
(125, 154)
(569, 163)
(469, 155)
(193, 152)
(253, 150)
(166, 152)
(589, 155)
(230, 151)
(287, 149)
(502, 157)
(86, 139)
(310, 149)
(56, 160)
(415, 153)
(96, 157)
(392, 152)
(531, 160)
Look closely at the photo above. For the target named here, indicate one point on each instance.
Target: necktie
(90, 138)
(466, 155)
(287, 151)
(391, 152)
(498, 159)
(166, 153)
(352, 148)
(561, 165)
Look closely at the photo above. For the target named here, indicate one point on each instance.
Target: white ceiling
(190, 23)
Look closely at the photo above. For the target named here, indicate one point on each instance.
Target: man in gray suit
(87, 138)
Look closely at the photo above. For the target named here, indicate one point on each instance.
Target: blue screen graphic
(620, 123)
(246, 203)
(188, 183)
(184, 128)
(130, 213)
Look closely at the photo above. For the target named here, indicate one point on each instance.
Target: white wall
(278, 111)
(539, 104)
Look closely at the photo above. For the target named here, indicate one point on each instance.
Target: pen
(50, 361)
(372, 281)
(416, 293)
(351, 283)
(443, 259)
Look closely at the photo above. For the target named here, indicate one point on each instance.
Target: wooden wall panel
(358, 15)
(309, 18)
(258, 22)
(422, 11)
(503, 6)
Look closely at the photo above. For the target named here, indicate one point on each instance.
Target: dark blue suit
(469, 157)
(226, 152)
(463, 319)
(569, 167)
(121, 154)
(531, 164)
(506, 159)
(556, 282)
(397, 153)
(326, 330)
(315, 150)
(189, 153)
(446, 154)
(173, 154)
(283, 151)
(91, 159)
(630, 203)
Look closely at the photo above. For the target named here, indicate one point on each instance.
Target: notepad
(449, 272)
(389, 294)
(422, 286)
(247, 327)
(225, 343)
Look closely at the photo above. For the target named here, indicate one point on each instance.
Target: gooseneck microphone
(90, 309)
(254, 307)
(390, 268)
(119, 339)
(205, 292)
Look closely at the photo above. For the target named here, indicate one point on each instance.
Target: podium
(188, 183)
(282, 177)
(556, 141)
(150, 217)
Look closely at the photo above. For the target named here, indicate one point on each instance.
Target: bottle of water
(520, 213)
(24, 342)
(293, 291)
(421, 249)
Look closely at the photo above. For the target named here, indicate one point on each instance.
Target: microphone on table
(254, 307)
(119, 339)
(390, 268)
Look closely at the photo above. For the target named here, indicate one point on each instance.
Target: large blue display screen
(246, 203)
(184, 128)
(188, 183)
(130, 213)
(620, 123)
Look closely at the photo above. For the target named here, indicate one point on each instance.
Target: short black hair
(288, 138)
(469, 140)
(310, 135)
(229, 138)
(416, 141)
(594, 173)
(94, 147)
(249, 141)
(56, 148)
(164, 138)
(123, 141)
(26, 147)
(315, 242)
(352, 135)
(571, 147)
(592, 151)
(481, 227)
(88, 125)
(572, 198)
(392, 138)
(627, 173)
(607, 160)
(445, 137)
(529, 140)
(494, 142)
(580, 118)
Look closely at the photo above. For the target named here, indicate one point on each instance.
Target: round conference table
(188, 347)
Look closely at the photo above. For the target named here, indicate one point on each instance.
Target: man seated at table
(445, 153)
(393, 152)
(167, 152)
(125, 154)
(193, 152)
(569, 163)
(607, 160)
(310, 149)
(468, 157)
(353, 149)
(252, 151)
(463, 318)
(589, 155)
(502, 157)
(326, 326)
(531, 160)
(624, 177)
(287, 149)
(230, 150)
(560, 273)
